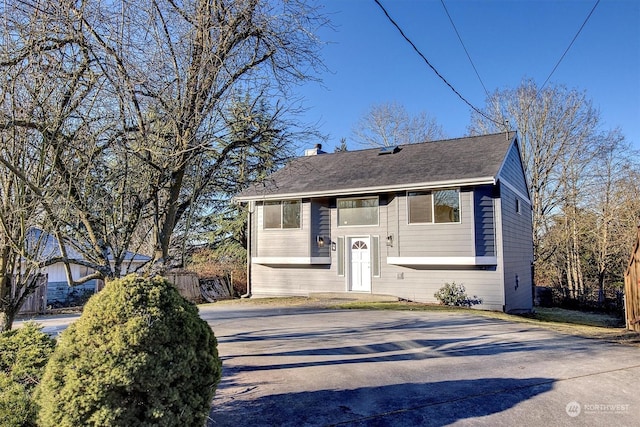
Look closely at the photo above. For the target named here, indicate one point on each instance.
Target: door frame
(349, 240)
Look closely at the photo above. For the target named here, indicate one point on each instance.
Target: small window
(358, 212)
(426, 207)
(281, 214)
(517, 205)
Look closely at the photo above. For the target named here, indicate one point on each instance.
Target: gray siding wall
(484, 222)
(320, 226)
(409, 282)
(434, 240)
(285, 242)
(512, 171)
(517, 241)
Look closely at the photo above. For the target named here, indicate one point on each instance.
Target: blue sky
(508, 41)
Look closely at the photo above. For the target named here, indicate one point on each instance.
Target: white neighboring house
(58, 292)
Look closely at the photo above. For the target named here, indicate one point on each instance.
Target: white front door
(360, 257)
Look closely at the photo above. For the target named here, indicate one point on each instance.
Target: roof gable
(462, 161)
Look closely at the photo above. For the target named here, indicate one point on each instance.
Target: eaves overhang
(368, 190)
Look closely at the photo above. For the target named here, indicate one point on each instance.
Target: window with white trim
(428, 207)
(281, 214)
(362, 211)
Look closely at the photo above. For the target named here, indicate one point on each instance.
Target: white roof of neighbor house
(49, 248)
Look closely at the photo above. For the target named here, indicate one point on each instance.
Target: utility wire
(465, 48)
(570, 44)
(415, 48)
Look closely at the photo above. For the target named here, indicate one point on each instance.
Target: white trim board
(291, 260)
(436, 260)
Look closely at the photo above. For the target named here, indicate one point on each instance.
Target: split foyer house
(399, 221)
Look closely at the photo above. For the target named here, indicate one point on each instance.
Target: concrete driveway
(288, 366)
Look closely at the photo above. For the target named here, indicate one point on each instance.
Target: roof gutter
(360, 190)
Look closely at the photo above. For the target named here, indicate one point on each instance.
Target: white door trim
(359, 264)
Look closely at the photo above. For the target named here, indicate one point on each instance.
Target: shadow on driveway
(413, 404)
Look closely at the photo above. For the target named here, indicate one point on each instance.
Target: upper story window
(362, 211)
(427, 207)
(282, 214)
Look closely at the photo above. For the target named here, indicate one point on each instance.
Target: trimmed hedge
(24, 354)
(138, 356)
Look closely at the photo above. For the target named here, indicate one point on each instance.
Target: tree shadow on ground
(423, 404)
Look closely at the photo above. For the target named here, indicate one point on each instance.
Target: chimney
(314, 151)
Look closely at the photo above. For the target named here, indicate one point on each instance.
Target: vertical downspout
(249, 239)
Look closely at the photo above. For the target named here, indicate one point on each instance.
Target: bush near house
(139, 355)
(24, 354)
(455, 295)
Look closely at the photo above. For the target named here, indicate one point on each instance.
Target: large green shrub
(138, 356)
(23, 355)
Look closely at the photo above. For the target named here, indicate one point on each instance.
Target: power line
(415, 48)
(465, 48)
(570, 44)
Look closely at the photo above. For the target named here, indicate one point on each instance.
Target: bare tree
(554, 126)
(126, 102)
(389, 124)
(20, 247)
(614, 199)
(59, 101)
(174, 66)
(581, 181)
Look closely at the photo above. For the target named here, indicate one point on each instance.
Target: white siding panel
(56, 273)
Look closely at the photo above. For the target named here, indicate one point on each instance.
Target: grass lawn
(584, 324)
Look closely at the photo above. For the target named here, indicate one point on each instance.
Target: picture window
(440, 206)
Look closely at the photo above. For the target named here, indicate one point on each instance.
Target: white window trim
(357, 198)
(280, 202)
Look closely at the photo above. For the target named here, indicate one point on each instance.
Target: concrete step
(353, 296)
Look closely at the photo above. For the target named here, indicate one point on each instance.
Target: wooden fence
(195, 290)
(186, 282)
(632, 288)
(37, 301)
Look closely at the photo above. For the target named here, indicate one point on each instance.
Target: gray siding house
(400, 221)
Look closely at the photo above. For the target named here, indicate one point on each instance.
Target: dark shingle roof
(462, 161)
